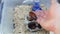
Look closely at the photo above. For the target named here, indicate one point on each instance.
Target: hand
(49, 19)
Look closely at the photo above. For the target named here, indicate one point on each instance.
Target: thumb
(52, 8)
(53, 2)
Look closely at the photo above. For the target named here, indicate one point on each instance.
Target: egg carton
(19, 18)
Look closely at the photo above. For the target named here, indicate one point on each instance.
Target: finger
(48, 25)
(52, 7)
(53, 2)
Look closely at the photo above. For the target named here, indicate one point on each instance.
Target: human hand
(49, 19)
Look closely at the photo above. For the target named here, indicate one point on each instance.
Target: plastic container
(7, 14)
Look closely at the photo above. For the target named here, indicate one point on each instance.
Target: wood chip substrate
(19, 18)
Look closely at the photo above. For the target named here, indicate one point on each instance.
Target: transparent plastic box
(7, 14)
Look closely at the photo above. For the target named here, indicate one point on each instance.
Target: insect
(34, 25)
(32, 16)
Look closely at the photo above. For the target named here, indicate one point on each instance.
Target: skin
(50, 19)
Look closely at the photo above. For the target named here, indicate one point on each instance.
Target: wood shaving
(19, 16)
